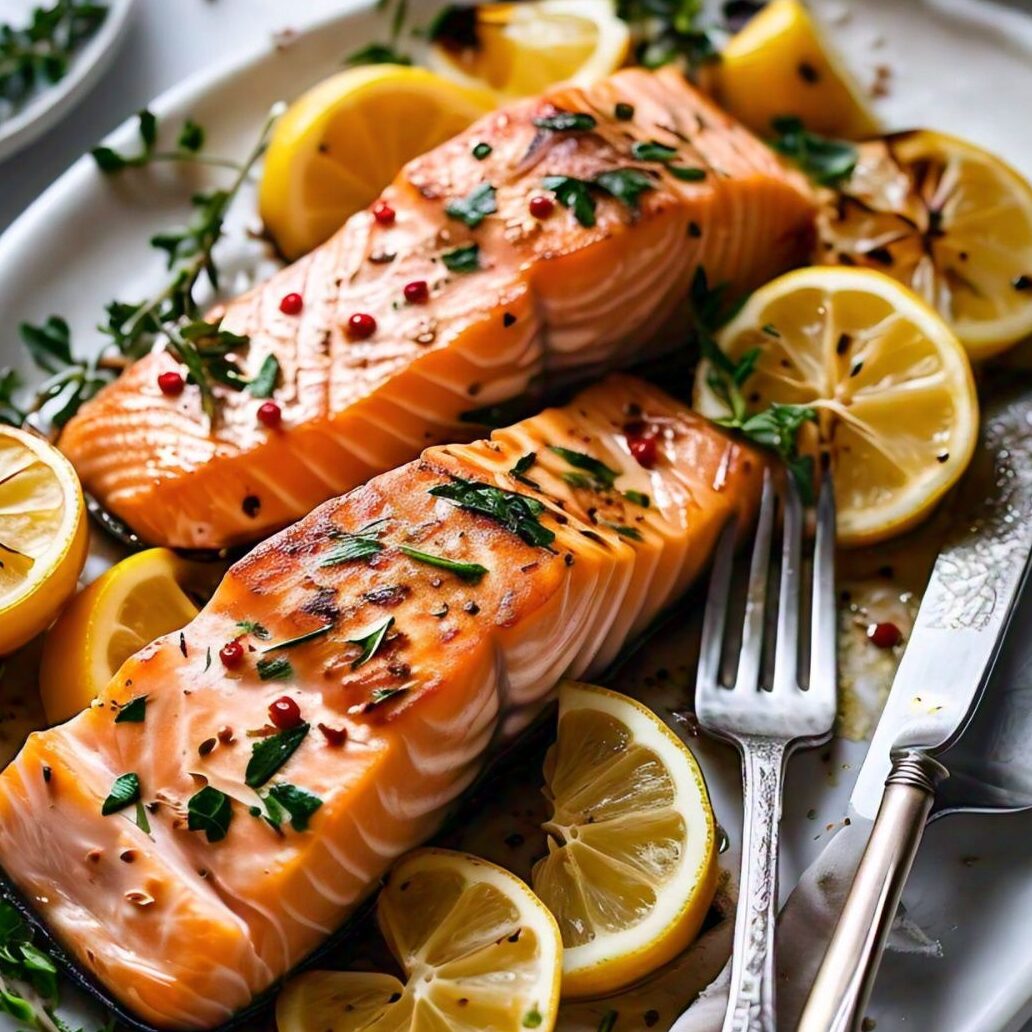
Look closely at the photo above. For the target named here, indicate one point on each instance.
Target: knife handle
(843, 983)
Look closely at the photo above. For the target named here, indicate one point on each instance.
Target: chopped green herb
(462, 259)
(482, 150)
(377, 53)
(10, 383)
(824, 160)
(667, 31)
(474, 207)
(299, 640)
(517, 513)
(207, 659)
(265, 380)
(141, 818)
(625, 184)
(771, 330)
(278, 669)
(23, 963)
(269, 754)
(522, 464)
(381, 695)
(133, 712)
(688, 173)
(624, 112)
(124, 792)
(254, 628)
(650, 150)
(602, 477)
(371, 641)
(574, 194)
(580, 480)
(567, 122)
(210, 811)
(532, 1019)
(624, 531)
(637, 498)
(471, 572)
(298, 803)
(351, 547)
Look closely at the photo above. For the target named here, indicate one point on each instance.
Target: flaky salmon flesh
(416, 622)
(539, 299)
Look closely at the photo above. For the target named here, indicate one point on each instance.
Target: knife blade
(971, 597)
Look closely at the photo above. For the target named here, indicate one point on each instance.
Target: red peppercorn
(643, 447)
(170, 383)
(541, 207)
(884, 635)
(291, 304)
(269, 414)
(417, 292)
(334, 735)
(361, 325)
(285, 713)
(231, 654)
(383, 213)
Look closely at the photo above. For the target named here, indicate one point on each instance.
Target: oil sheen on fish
(537, 299)
(416, 622)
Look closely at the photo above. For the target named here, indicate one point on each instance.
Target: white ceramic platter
(959, 65)
(49, 103)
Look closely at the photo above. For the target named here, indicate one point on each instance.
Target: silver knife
(956, 639)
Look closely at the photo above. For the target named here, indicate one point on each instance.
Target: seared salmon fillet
(511, 302)
(414, 623)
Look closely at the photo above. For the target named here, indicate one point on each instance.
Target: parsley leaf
(269, 754)
(574, 194)
(371, 641)
(124, 792)
(602, 477)
(298, 803)
(567, 122)
(264, 382)
(517, 513)
(824, 160)
(133, 712)
(625, 184)
(482, 150)
(462, 259)
(473, 573)
(650, 150)
(637, 498)
(474, 207)
(210, 811)
(687, 173)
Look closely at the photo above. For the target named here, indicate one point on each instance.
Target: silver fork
(764, 709)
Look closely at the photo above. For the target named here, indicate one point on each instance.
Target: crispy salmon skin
(512, 300)
(416, 622)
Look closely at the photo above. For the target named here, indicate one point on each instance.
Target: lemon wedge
(136, 601)
(632, 859)
(337, 146)
(897, 411)
(948, 219)
(44, 535)
(518, 49)
(478, 949)
(778, 65)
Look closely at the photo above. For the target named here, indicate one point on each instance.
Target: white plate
(49, 103)
(958, 66)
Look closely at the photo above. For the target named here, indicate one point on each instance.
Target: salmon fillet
(579, 549)
(547, 298)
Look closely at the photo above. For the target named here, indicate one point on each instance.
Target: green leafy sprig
(826, 161)
(669, 31)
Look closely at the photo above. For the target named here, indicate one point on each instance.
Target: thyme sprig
(40, 52)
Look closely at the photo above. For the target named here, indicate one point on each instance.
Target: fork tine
(715, 616)
(759, 567)
(786, 652)
(823, 673)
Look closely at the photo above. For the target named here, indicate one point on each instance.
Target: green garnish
(278, 669)
(269, 754)
(624, 112)
(471, 572)
(254, 628)
(567, 122)
(482, 150)
(265, 379)
(141, 817)
(574, 194)
(474, 207)
(381, 695)
(517, 513)
(637, 498)
(520, 467)
(624, 531)
(25, 971)
(462, 259)
(377, 53)
(602, 477)
(669, 31)
(133, 712)
(286, 799)
(189, 143)
(299, 640)
(824, 160)
(371, 641)
(608, 1022)
(625, 184)
(124, 792)
(353, 546)
(532, 1019)
(210, 811)
(650, 150)
(688, 173)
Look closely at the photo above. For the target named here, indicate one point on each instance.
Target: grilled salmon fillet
(415, 622)
(537, 299)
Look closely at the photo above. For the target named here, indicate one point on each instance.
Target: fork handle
(843, 984)
(751, 1001)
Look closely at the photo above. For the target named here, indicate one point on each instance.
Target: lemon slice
(950, 220)
(779, 65)
(479, 951)
(337, 146)
(43, 535)
(518, 49)
(136, 601)
(632, 861)
(891, 385)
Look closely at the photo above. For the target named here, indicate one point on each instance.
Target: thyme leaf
(370, 641)
(473, 573)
